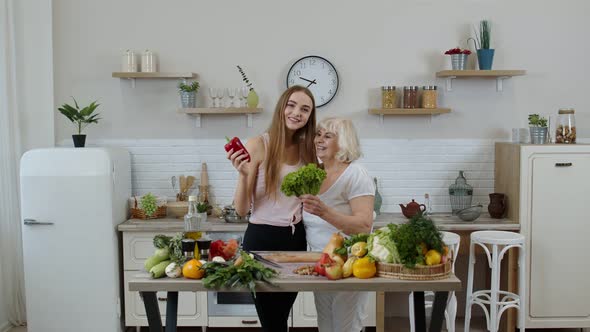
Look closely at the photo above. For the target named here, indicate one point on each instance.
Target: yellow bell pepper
(364, 268)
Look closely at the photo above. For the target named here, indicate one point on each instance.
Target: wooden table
(290, 283)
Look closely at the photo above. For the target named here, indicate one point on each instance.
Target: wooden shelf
(499, 75)
(139, 75)
(480, 73)
(220, 110)
(408, 111)
(153, 75)
(196, 112)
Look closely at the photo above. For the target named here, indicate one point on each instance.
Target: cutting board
(291, 256)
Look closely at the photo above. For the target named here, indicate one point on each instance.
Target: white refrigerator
(71, 202)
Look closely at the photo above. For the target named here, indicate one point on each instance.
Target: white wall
(406, 169)
(3, 310)
(370, 43)
(34, 68)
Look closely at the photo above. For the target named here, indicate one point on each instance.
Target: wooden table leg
(171, 311)
(380, 312)
(419, 312)
(152, 311)
(438, 311)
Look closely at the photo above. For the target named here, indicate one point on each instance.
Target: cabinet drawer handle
(249, 322)
(563, 164)
(162, 299)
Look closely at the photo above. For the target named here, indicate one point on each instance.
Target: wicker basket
(137, 213)
(420, 272)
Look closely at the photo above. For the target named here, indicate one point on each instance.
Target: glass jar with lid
(565, 128)
(429, 96)
(407, 97)
(388, 97)
(416, 98)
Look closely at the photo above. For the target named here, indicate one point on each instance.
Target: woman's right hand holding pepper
(239, 161)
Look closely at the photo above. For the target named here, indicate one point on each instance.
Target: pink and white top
(284, 211)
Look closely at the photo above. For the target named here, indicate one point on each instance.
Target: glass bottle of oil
(192, 224)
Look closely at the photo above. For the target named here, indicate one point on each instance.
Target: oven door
(230, 304)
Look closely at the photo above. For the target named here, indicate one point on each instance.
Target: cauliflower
(381, 246)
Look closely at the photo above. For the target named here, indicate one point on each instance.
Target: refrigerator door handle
(33, 222)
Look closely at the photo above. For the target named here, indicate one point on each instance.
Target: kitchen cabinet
(137, 247)
(546, 187)
(304, 313)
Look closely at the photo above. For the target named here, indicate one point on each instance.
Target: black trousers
(273, 308)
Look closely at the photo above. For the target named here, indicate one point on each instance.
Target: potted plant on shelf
(485, 54)
(80, 118)
(252, 99)
(458, 58)
(202, 208)
(188, 94)
(538, 129)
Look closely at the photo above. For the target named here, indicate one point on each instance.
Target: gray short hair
(348, 141)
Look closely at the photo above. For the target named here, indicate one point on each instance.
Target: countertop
(288, 283)
(445, 222)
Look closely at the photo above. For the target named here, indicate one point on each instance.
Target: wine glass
(213, 96)
(244, 93)
(221, 94)
(231, 93)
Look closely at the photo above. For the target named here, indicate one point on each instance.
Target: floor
(401, 325)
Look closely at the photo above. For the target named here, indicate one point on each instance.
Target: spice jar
(565, 132)
(414, 97)
(407, 97)
(388, 97)
(429, 96)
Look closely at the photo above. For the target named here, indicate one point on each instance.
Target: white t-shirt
(353, 182)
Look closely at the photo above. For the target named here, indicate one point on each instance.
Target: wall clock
(318, 75)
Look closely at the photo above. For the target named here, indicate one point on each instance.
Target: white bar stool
(452, 240)
(500, 242)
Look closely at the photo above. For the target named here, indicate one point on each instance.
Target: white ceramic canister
(148, 62)
(129, 62)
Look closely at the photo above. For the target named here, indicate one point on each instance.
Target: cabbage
(381, 246)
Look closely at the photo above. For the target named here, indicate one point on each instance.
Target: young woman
(275, 222)
(345, 203)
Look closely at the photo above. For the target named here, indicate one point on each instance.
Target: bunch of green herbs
(410, 237)
(243, 275)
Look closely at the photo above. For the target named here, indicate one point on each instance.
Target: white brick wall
(405, 169)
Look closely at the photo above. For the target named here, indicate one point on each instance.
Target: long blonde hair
(278, 136)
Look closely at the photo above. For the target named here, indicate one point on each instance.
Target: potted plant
(458, 58)
(80, 118)
(202, 208)
(188, 94)
(485, 54)
(538, 129)
(252, 99)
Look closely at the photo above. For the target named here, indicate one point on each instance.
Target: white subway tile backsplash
(406, 169)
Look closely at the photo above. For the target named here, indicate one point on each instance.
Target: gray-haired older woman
(345, 203)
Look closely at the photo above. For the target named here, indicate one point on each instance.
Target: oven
(225, 304)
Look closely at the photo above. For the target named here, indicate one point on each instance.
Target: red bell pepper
(236, 145)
